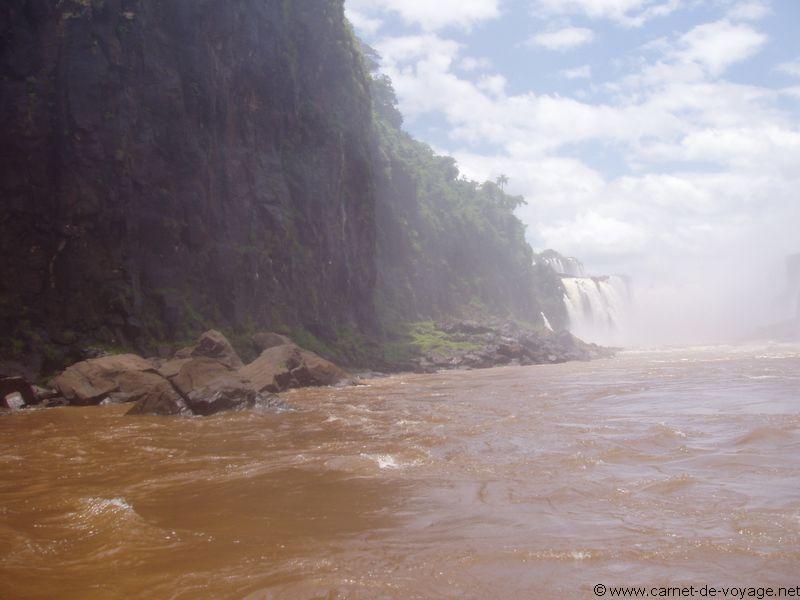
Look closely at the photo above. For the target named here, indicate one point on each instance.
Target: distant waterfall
(563, 265)
(598, 307)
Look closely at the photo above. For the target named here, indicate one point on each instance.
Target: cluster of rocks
(506, 343)
(204, 379)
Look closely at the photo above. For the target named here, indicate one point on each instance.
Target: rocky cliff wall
(168, 165)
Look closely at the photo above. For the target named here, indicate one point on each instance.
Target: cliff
(169, 165)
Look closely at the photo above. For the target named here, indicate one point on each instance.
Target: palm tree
(501, 181)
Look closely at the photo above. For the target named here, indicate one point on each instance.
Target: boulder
(198, 385)
(226, 393)
(171, 368)
(195, 373)
(267, 340)
(288, 366)
(271, 371)
(315, 371)
(43, 394)
(212, 344)
(20, 387)
(91, 381)
(12, 401)
(161, 399)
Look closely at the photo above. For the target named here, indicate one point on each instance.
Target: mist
(686, 301)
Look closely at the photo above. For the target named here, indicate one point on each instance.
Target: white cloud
(790, 68)
(749, 11)
(718, 45)
(629, 13)
(562, 39)
(591, 232)
(582, 72)
(470, 63)
(493, 84)
(363, 23)
(431, 15)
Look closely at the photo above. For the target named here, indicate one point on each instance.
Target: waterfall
(564, 265)
(597, 307)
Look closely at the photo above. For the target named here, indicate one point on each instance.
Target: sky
(654, 138)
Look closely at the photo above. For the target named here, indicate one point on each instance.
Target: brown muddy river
(654, 468)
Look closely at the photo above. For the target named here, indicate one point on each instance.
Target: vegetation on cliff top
(447, 245)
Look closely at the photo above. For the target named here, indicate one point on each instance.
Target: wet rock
(119, 398)
(90, 381)
(13, 401)
(200, 385)
(171, 368)
(272, 370)
(195, 373)
(314, 370)
(267, 340)
(212, 344)
(161, 399)
(20, 387)
(226, 393)
(287, 366)
(504, 344)
(55, 402)
(43, 394)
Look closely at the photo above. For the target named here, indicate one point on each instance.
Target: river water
(654, 468)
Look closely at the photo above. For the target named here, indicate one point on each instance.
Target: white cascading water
(598, 307)
(565, 265)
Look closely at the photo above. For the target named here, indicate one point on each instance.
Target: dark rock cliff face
(165, 164)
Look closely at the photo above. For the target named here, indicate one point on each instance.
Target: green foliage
(427, 338)
(447, 245)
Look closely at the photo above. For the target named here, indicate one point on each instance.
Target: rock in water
(315, 370)
(12, 401)
(161, 399)
(195, 373)
(91, 381)
(288, 366)
(226, 393)
(271, 372)
(212, 344)
(20, 387)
